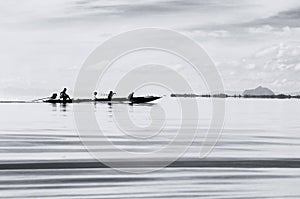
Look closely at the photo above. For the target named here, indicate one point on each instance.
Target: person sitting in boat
(110, 95)
(64, 96)
(95, 95)
(130, 96)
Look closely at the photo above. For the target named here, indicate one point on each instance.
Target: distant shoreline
(13, 101)
(222, 95)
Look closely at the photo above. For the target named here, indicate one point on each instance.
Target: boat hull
(55, 101)
(135, 100)
(143, 99)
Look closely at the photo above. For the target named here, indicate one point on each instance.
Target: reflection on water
(60, 107)
(63, 107)
(257, 155)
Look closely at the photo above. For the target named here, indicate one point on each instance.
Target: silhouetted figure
(110, 95)
(130, 96)
(64, 96)
(95, 95)
(54, 95)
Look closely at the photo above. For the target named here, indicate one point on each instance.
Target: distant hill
(259, 91)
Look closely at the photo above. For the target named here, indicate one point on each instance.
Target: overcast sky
(44, 43)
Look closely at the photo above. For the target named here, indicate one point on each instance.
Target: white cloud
(297, 67)
(40, 39)
(274, 66)
(262, 29)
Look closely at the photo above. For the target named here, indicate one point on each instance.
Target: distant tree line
(223, 95)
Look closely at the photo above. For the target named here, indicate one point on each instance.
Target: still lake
(263, 132)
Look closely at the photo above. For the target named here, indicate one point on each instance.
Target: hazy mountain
(259, 91)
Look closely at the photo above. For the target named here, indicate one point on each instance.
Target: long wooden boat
(134, 100)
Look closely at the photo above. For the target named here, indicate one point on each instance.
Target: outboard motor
(54, 95)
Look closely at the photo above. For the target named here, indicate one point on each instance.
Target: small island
(259, 92)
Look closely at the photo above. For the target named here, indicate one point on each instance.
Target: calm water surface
(266, 132)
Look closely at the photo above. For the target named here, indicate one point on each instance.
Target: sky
(43, 44)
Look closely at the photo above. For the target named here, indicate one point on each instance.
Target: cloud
(133, 8)
(250, 66)
(208, 34)
(289, 18)
(277, 66)
(40, 38)
(297, 67)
